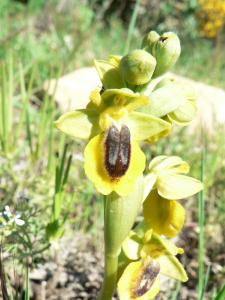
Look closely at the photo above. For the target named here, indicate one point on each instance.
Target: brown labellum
(148, 276)
(117, 151)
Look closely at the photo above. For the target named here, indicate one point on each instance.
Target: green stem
(119, 216)
(110, 278)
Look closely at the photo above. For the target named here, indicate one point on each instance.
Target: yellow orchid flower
(165, 184)
(113, 159)
(166, 175)
(148, 256)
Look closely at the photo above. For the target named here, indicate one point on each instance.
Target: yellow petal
(156, 161)
(171, 267)
(162, 164)
(131, 284)
(149, 181)
(124, 97)
(96, 171)
(163, 216)
(158, 246)
(176, 186)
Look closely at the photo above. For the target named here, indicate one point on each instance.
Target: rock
(62, 279)
(72, 91)
(39, 275)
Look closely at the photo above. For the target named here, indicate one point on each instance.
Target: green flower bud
(166, 51)
(137, 67)
(149, 41)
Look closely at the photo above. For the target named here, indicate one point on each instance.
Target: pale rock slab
(72, 90)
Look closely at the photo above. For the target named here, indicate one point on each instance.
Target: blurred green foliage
(61, 35)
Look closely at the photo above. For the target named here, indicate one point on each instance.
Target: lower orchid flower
(149, 258)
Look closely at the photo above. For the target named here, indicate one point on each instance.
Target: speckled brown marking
(150, 272)
(117, 151)
(163, 38)
(102, 90)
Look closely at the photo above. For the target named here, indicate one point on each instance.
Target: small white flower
(11, 217)
(7, 212)
(18, 221)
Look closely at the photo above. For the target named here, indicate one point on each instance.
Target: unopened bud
(137, 67)
(166, 51)
(149, 41)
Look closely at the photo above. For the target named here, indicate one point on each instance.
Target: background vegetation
(41, 177)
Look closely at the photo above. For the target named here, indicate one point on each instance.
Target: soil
(74, 269)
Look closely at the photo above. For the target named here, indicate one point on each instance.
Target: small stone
(39, 275)
(63, 279)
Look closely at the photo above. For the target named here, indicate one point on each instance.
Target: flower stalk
(110, 278)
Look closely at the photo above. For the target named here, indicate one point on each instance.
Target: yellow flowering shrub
(211, 16)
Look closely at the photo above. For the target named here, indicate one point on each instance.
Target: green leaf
(221, 294)
(144, 126)
(78, 124)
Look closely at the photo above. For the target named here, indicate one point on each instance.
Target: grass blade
(27, 287)
(221, 294)
(132, 26)
(25, 98)
(61, 169)
(176, 292)
(201, 220)
(66, 173)
(51, 146)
